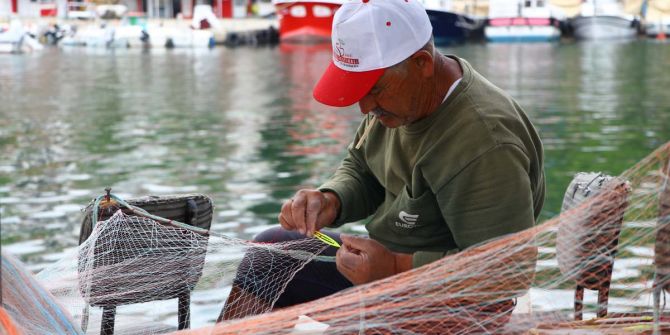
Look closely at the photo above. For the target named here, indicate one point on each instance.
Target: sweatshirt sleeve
(491, 197)
(357, 188)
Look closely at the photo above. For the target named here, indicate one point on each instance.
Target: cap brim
(342, 88)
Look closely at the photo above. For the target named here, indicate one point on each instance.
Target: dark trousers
(315, 280)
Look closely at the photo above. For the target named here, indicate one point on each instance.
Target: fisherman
(442, 161)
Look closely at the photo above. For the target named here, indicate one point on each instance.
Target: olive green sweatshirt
(469, 172)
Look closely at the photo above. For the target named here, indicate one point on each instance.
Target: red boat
(305, 21)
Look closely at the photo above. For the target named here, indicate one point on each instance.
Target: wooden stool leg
(657, 309)
(184, 313)
(579, 302)
(108, 315)
(603, 297)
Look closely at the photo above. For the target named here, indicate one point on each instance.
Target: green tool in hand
(326, 239)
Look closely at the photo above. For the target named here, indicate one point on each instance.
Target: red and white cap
(369, 36)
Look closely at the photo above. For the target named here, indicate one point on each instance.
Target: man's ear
(423, 60)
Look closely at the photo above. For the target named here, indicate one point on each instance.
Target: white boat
(656, 15)
(204, 15)
(174, 37)
(136, 36)
(17, 40)
(95, 37)
(658, 28)
(604, 19)
(189, 38)
(522, 21)
(10, 42)
(129, 36)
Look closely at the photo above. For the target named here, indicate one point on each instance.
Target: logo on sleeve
(407, 220)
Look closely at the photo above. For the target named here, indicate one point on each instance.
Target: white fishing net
(130, 259)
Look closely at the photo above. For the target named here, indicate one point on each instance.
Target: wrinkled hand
(309, 210)
(362, 260)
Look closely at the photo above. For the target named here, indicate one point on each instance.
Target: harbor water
(241, 126)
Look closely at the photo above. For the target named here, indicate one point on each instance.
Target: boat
(181, 38)
(16, 39)
(450, 27)
(93, 36)
(305, 21)
(11, 42)
(136, 36)
(522, 21)
(658, 29)
(656, 17)
(604, 20)
(204, 17)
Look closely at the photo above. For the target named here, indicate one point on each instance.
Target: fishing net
(135, 260)
(27, 308)
(601, 266)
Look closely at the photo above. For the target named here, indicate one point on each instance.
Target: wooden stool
(588, 235)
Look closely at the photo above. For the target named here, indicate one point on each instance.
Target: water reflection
(599, 63)
(241, 125)
(304, 140)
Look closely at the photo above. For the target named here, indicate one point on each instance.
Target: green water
(240, 125)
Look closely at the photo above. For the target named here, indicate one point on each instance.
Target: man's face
(392, 99)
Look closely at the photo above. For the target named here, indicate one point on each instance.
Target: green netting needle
(326, 239)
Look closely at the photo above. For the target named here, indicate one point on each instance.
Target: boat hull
(451, 28)
(305, 21)
(10, 48)
(603, 27)
(522, 30)
(657, 28)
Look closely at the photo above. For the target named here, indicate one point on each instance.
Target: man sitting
(446, 160)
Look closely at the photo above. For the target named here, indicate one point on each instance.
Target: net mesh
(134, 259)
(605, 258)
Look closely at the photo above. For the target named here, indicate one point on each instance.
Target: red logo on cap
(343, 58)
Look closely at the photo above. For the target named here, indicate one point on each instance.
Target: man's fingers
(303, 212)
(356, 242)
(347, 261)
(284, 224)
(285, 217)
(298, 212)
(312, 212)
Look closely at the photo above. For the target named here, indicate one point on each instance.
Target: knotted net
(601, 266)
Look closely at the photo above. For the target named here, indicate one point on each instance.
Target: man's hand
(309, 210)
(362, 260)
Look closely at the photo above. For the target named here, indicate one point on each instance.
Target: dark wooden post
(184, 312)
(108, 315)
(662, 247)
(579, 302)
